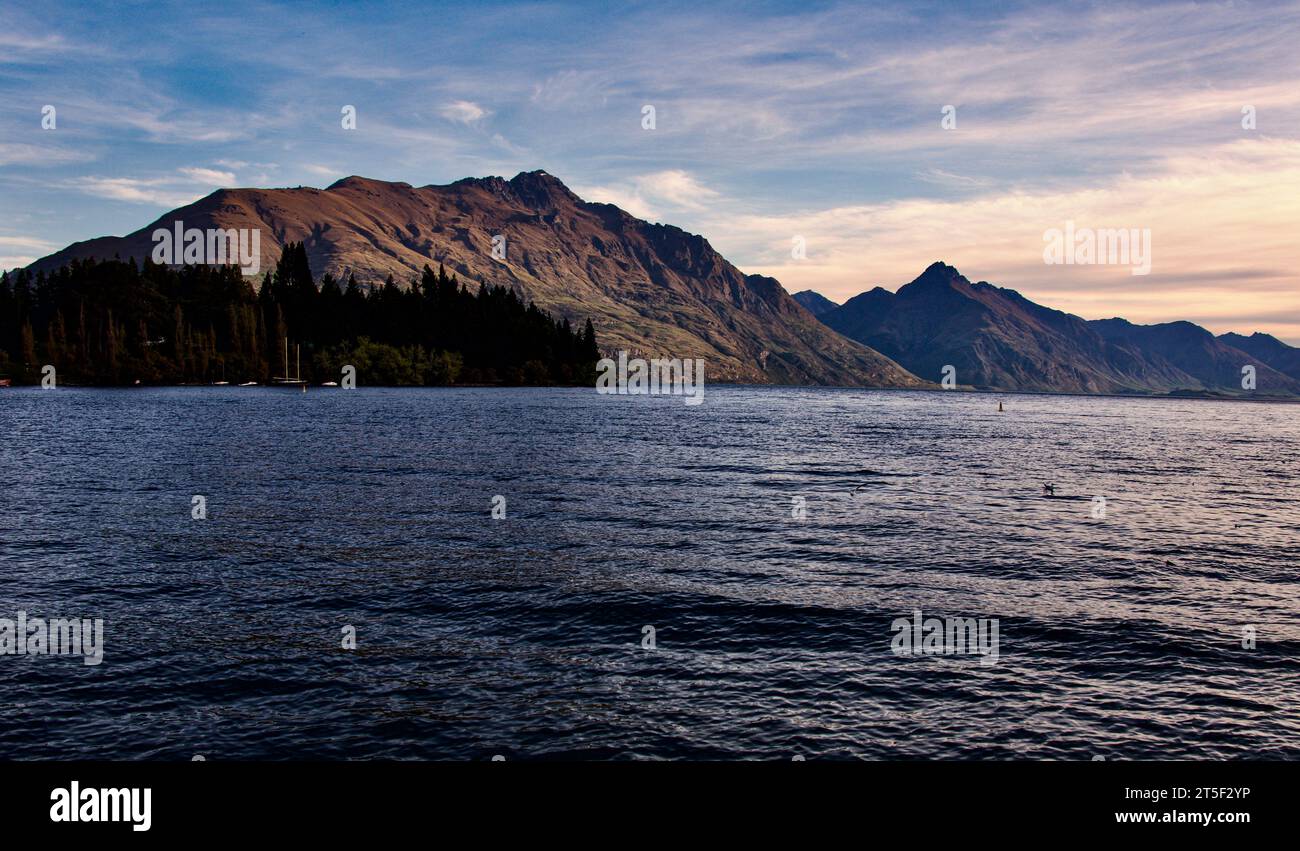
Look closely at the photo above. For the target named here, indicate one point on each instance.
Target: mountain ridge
(651, 288)
(1267, 348)
(996, 338)
(656, 289)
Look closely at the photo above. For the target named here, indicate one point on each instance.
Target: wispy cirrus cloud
(208, 175)
(20, 153)
(132, 190)
(652, 196)
(464, 112)
(12, 42)
(10, 242)
(17, 251)
(940, 177)
(167, 191)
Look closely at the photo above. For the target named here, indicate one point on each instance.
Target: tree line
(114, 322)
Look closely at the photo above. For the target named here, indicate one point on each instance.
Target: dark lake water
(1121, 635)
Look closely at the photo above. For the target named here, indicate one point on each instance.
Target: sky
(879, 137)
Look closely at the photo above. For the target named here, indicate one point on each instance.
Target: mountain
(1197, 352)
(996, 338)
(814, 302)
(1268, 349)
(650, 288)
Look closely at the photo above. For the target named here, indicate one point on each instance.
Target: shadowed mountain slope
(653, 289)
(997, 338)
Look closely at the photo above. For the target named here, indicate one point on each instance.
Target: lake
(769, 538)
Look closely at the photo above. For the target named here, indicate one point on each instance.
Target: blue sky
(773, 121)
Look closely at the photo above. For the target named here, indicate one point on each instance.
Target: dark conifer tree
(119, 322)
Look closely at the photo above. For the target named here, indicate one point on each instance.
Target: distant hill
(1196, 352)
(996, 338)
(814, 302)
(1268, 349)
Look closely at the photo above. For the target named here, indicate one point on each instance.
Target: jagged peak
(523, 182)
(937, 274)
(537, 177)
(939, 267)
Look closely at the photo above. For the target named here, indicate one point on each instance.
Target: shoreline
(1190, 397)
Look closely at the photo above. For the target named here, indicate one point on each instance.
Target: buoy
(999, 407)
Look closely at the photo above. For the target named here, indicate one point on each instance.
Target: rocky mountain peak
(652, 288)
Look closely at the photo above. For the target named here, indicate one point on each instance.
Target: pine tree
(27, 351)
(141, 322)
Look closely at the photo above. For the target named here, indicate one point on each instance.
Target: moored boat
(285, 380)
